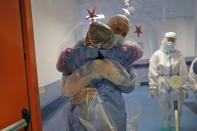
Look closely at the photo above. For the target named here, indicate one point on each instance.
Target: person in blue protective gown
(193, 78)
(110, 92)
(165, 63)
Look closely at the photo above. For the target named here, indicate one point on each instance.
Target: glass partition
(126, 85)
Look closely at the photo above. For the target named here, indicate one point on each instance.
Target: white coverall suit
(193, 79)
(164, 65)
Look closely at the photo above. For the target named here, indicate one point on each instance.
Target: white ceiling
(151, 8)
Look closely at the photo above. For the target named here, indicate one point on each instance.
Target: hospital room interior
(157, 89)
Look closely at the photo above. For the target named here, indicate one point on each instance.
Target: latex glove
(152, 93)
(185, 92)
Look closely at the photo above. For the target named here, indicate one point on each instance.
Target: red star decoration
(91, 14)
(138, 30)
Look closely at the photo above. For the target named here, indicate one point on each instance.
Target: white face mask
(170, 46)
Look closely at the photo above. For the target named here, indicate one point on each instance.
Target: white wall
(156, 18)
(53, 20)
(154, 29)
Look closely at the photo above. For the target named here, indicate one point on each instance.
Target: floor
(53, 113)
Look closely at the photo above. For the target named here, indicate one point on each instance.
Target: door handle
(23, 123)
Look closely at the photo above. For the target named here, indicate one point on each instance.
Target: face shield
(100, 36)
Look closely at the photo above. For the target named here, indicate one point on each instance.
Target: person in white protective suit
(165, 63)
(193, 78)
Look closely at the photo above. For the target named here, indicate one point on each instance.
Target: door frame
(30, 61)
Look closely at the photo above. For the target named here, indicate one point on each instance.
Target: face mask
(170, 46)
(119, 40)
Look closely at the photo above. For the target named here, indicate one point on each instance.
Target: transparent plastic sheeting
(91, 110)
(79, 28)
(133, 109)
(95, 69)
(94, 117)
(165, 16)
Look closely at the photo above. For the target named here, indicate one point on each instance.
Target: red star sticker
(91, 14)
(138, 30)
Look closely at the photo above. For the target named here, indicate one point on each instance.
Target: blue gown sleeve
(79, 56)
(124, 54)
